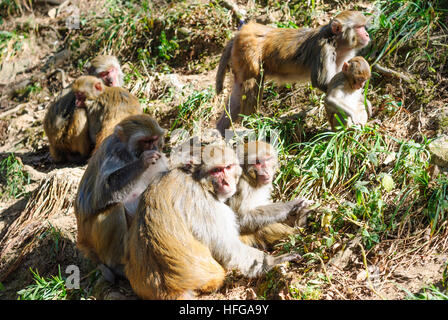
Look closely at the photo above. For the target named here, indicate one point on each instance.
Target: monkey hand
(150, 157)
(300, 206)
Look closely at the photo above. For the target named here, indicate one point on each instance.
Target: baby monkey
(258, 218)
(345, 96)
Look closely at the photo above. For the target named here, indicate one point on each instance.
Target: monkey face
(224, 180)
(110, 77)
(148, 143)
(363, 35)
(264, 170)
(80, 99)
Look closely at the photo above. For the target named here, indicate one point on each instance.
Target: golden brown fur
(105, 107)
(286, 55)
(116, 175)
(184, 237)
(66, 126)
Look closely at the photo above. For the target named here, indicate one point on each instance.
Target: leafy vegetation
(13, 177)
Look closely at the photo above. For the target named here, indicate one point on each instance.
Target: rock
(439, 151)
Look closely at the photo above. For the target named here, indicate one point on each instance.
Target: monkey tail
(223, 65)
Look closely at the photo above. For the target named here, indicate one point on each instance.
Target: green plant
(194, 109)
(11, 169)
(52, 288)
(428, 293)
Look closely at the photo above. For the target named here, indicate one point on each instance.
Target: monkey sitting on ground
(184, 237)
(110, 189)
(66, 126)
(106, 106)
(345, 96)
(258, 51)
(257, 216)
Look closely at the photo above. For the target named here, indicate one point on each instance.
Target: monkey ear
(336, 27)
(99, 86)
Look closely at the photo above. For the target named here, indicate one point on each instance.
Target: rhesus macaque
(345, 96)
(66, 126)
(106, 106)
(257, 216)
(108, 194)
(258, 51)
(184, 237)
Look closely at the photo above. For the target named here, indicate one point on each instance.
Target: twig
(391, 73)
(364, 259)
(13, 110)
(329, 279)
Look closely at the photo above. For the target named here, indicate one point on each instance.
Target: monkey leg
(101, 238)
(267, 236)
(252, 95)
(232, 109)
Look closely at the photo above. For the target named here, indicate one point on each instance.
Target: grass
(52, 288)
(13, 177)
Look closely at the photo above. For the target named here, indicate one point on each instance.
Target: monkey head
(140, 133)
(87, 88)
(350, 29)
(357, 71)
(219, 171)
(108, 69)
(260, 163)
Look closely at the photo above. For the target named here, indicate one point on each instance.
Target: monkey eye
(216, 170)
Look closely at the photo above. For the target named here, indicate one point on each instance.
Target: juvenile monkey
(258, 51)
(345, 94)
(66, 126)
(257, 216)
(184, 236)
(105, 106)
(109, 191)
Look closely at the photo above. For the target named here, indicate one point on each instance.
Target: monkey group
(174, 229)
(324, 55)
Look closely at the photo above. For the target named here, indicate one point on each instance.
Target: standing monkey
(345, 94)
(184, 236)
(66, 126)
(105, 106)
(257, 216)
(108, 194)
(258, 51)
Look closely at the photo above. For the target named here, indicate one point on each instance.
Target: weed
(13, 176)
(52, 288)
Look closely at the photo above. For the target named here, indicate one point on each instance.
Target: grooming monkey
(105, 106)
(258, 51)
(110, 189)
(257, 216)
(184, 237)
(345, 94)
(66, 126)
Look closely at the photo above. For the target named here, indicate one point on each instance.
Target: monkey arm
(251, 220)
(338, 106)
(324, 68)
(116, 186)
(368, 106)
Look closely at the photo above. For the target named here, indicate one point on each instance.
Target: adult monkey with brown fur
(184, 236)
(258, 51)
(258, 217)
(345, 96)
(108, 194)
(66, 126)
(105, 106)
